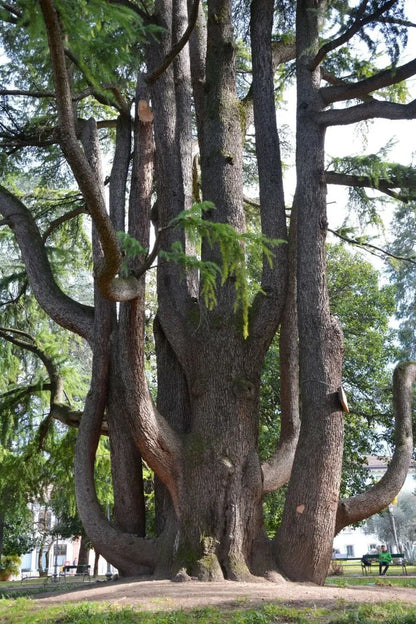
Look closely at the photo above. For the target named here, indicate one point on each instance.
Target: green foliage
(382, 37)
(19, 482)
(377, 170)
(10, 565)
(19, 537)
(102, 39)
(130, 248)
(403, 276)
(234, 247)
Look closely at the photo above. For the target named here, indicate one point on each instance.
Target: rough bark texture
(201, 435)
(304, 543)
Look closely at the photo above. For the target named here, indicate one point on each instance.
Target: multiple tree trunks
(201, 435)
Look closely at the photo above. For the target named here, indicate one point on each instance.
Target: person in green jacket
(384, 560)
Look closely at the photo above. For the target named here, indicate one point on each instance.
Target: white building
(56, 552)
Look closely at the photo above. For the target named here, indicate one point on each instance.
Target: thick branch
(385, 78)
(125, 551)
(339, 82)
(114, 289)
(272, 205)
(277, 470)
(61, 308)
(371, 110)
(25, 93)
(378, 497)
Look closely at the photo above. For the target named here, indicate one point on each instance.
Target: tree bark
(201, 437)
(303, 545)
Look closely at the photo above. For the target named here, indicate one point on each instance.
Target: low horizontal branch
(369, 110)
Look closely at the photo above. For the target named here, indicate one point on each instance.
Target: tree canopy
(134, 137)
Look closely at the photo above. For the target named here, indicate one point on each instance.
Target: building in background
(54, 552)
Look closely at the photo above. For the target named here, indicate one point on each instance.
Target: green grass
(25, 611)
(18, 609)
(343, 581)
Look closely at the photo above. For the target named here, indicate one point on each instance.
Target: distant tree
(403, 275)
(17, 534)
(403, 514)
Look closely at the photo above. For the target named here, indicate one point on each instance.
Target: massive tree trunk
(201, 435)
(218, 513)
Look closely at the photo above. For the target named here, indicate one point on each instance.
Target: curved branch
(378, 497)
(370, 110)
(178, 46)
(61, 308)
(361, 88)
(63, 219)
(132, 555)
(114, 289)
(358, 24)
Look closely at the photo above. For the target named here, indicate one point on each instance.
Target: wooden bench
(397, 560)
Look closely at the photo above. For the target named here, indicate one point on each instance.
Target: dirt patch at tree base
(162, 595)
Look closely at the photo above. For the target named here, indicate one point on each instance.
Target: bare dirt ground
(158, 595)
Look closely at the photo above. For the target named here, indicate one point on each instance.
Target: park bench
(77, 571)
(397, 560)
(26, 574)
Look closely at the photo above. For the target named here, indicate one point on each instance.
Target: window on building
(44, 520)
(350, 550)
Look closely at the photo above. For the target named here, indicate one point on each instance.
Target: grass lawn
(25, 611)
(19, 609)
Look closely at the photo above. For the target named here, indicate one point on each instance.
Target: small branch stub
(343, 399)
(145, 112)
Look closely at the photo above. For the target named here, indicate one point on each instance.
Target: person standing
(384, 560)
